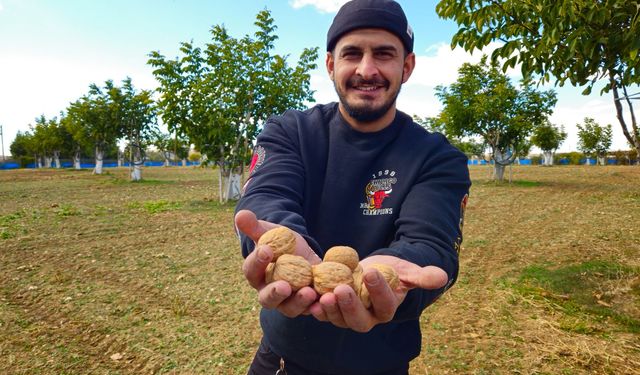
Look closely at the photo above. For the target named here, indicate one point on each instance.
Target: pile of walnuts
(341, 265)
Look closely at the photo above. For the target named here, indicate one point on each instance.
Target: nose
(367, 67)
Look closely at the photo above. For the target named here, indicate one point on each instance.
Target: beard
(366, 112)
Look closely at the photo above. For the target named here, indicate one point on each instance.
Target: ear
(329, 63)
(409, 65)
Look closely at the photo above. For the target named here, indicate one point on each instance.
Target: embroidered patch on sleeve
(259, 155)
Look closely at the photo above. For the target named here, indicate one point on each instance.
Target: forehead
(369, 38)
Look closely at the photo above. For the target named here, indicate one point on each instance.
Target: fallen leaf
(116, 356)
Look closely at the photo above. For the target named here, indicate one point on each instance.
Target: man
(358, 173)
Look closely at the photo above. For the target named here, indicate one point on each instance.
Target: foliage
(594, 139)
(579, 41)
(548, 137)
(90, 119)
(21, 145)
(219, 96)
(483, 102)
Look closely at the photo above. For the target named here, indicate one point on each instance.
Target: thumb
(247, 223)
(429, 277)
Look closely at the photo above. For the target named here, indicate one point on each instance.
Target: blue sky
(52, 50)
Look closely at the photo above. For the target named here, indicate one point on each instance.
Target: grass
(100, 275)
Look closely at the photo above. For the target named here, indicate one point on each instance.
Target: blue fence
(89, 165)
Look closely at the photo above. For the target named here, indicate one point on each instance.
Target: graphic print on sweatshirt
(379, 188)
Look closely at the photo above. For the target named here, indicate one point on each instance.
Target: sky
(52, 50)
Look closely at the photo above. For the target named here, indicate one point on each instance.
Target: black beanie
(375, 14)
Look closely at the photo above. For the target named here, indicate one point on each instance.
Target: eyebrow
(382, 48)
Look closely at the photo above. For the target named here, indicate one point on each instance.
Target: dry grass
(100, 275)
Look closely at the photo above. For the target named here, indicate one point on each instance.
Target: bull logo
(375, 196)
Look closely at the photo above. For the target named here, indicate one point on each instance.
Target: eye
(384, 55)
(351, 54)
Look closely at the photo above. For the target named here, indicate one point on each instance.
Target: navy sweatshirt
(400, 191)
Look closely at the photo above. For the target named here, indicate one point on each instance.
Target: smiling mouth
(367, 85)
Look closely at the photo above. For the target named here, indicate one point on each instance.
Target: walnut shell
(388, 273)
(357, 279)
(328, 275)
(293, 269)
(343, 254)
(281, 240)
(268, 273)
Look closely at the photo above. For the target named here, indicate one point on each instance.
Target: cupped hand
(278, 294)
(343, 307)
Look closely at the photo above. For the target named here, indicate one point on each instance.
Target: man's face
(367, 68)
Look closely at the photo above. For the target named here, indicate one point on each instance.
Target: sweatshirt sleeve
(429, 226)
(275, 185)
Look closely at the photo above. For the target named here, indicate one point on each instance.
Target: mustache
(359, 81)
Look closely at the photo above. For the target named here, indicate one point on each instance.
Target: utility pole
(2, 139)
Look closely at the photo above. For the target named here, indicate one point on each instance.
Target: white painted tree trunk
(120, 158)
(184, 162)
(136, 171)
(500, 161)
(588, 162)
(548, 158)
(47, 161)
(99, 157)
(167, 162)
(56, 159)
(76, 160)
(39, 162)
(602, 160)
(229, 186)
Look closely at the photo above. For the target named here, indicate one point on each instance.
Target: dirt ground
(99, 275)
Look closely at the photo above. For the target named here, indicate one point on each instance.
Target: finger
(330, 306)
(254, 265)
(355, 315)
(383, 300)
(247, 223)
(429, 277)
(298, 303)
(272, 295)
(318, 312)
(305, 251)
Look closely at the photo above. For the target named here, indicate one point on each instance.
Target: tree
(548, 138)
(579, 41)
(594, 139)
(49, 141)
(484, 103)
(134, 114)
(22, 147)
(91, 122)
(219, 96)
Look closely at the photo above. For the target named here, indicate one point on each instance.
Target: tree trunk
(47, 161)
(38, 162)
(501, 160)
(99, 156)
(602, 160)
(184, 162)
(498, 172)
(548, 158)
(56, 159)
(633, 139)
(136, 170)
(167, 156)
(76, 160)
(120, 158)
(229, 185)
